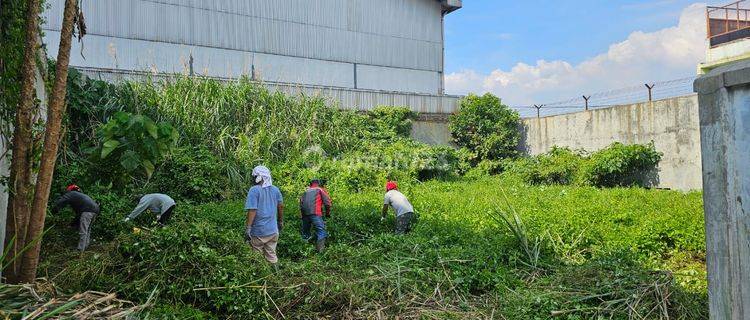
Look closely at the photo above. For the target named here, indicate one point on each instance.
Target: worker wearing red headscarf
(401, 206)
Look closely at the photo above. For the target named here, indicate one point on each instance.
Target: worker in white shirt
(401, 205)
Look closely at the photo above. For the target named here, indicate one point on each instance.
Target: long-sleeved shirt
(77, 201)
(156, 202)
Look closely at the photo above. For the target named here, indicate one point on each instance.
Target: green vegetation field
(603, 253)
(499, 235)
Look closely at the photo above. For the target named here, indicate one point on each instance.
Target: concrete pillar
(724, 111)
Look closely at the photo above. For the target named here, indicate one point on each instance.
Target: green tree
(486, 127)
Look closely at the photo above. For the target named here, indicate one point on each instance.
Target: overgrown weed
(460, 261)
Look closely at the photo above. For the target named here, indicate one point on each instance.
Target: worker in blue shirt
(265, 214)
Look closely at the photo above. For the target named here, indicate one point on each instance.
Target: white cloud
(643, 57)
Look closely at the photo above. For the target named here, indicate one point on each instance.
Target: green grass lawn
(590, 253)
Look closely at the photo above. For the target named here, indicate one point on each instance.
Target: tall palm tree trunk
(55, 113)
(20, 170)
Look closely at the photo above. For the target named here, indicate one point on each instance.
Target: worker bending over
(160, 204)
(400, 204)
(85, 208)
(313, 203)
(265, 214)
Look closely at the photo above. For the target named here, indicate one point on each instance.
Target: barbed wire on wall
(629, 95)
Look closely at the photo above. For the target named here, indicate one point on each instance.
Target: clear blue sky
(488, 34)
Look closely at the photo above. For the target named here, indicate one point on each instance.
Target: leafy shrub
(193, 174)
(392, 121)
(129, 142)
(90, 104)
(441, 162)
(558, 166)
(616, 165)
(487, 168)
(70, 172)
(486, 127)
(357, 177)
(621, 165)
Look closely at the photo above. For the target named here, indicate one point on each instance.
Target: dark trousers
(403, 223)
(164, 218)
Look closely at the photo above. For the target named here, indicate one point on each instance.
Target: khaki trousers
(267, 246)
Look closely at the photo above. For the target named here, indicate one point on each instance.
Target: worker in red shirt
(314, 203)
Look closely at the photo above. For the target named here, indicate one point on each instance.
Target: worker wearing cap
(160, 204)
(401, 205)
(313, 203)
(84, 207)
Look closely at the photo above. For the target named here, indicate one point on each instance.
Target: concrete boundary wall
(671, 123)
(432, 128)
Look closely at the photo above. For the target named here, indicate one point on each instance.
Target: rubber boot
(320, 245)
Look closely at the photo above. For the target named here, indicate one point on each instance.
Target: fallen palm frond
(42, 300)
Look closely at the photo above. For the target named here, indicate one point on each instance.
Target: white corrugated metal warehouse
(362, 53)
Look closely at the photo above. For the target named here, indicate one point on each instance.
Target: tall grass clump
(242, 119)
(229, 127)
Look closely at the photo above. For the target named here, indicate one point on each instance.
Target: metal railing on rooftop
(723, 21)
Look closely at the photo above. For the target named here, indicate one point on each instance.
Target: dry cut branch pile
(42, 300)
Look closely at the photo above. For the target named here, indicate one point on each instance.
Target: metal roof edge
(451, 5)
